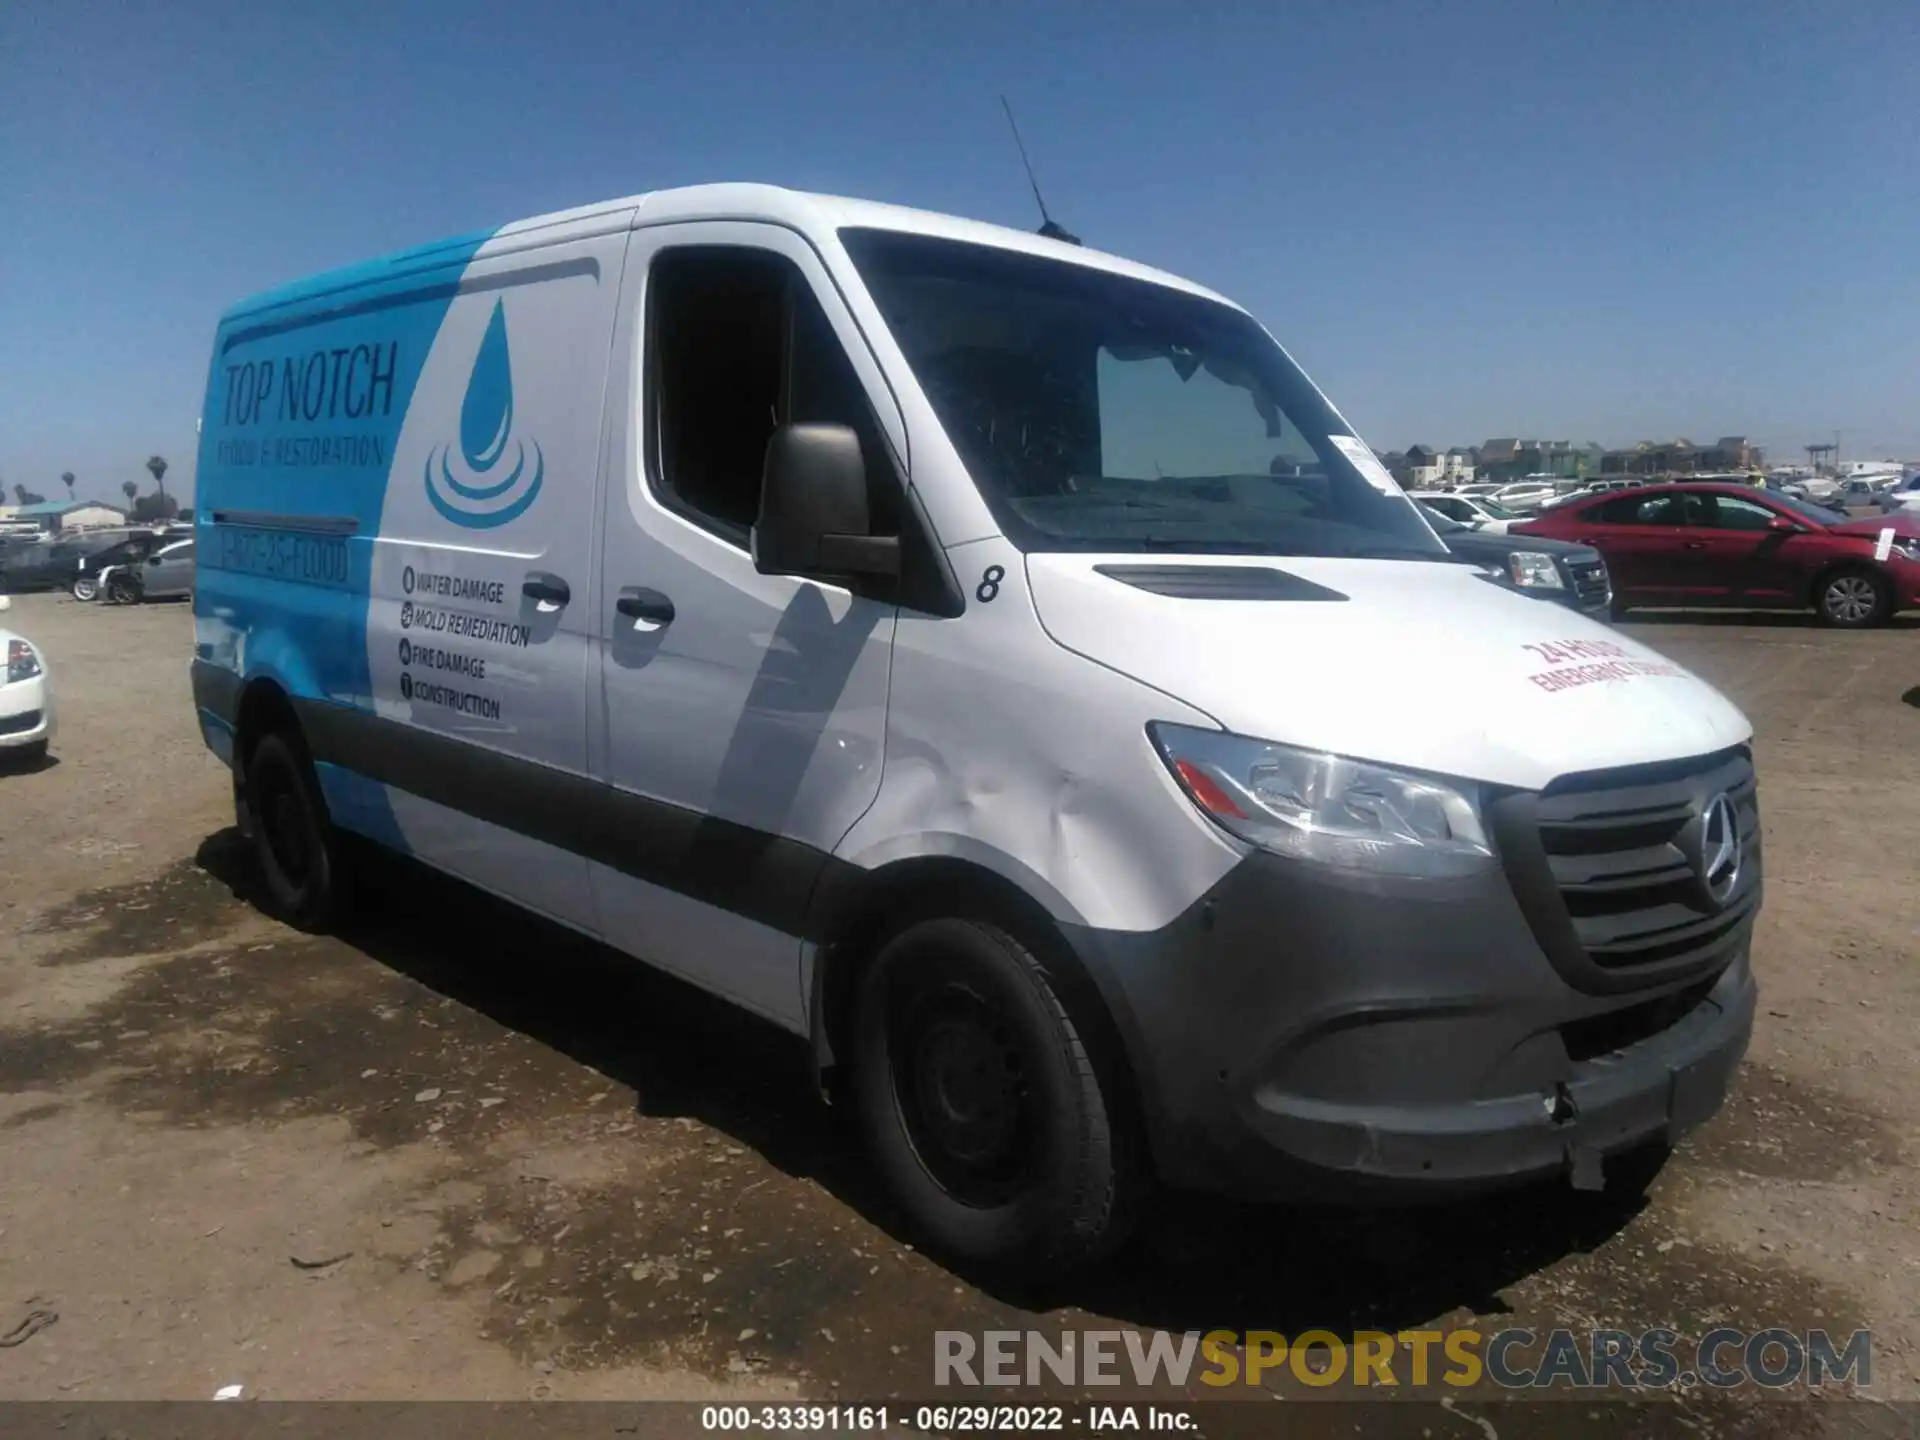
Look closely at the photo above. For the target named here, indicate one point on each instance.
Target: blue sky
(1465, 219)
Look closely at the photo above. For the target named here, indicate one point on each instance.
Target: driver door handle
(637, 602)
(547, 589)
(1695, 545)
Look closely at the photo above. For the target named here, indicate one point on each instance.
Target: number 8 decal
(989, 586)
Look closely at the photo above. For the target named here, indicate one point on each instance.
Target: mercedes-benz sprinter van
(992, 661)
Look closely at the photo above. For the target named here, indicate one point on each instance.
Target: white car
(1820, 489)
(1903, 496)
(1476, 511)
(26, 697)
(1526, 497)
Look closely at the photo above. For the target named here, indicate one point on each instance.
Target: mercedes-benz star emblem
(1719, 862)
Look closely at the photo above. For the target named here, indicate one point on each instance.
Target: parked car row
(1566, 574)
(1743, 547)
(120, 566)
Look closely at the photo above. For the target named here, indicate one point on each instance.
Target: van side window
(737, 346)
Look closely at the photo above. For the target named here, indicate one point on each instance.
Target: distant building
(1683, 457)
(1424, 468)
(1420, 468)
(1511, 459)
(53, 516)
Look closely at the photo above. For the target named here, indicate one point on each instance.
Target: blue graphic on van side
(307, 393)
(486, 428)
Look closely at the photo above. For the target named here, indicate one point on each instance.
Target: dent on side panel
(1005, 749)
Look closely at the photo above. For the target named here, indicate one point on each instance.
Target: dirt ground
(477, 1157)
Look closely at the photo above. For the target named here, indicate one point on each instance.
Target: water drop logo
(482, 497)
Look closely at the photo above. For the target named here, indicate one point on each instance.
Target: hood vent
(1217, 582)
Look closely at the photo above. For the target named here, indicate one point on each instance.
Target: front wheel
(1853, 600)
(981, 1105)
(121, 591)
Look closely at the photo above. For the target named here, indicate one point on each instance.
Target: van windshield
(1102, 413)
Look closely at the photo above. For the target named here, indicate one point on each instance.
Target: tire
(1616, 610)
(982, 1107)
(1853, 600)
(122, 592)
(25, 757)
(86, 588)
(299, 856)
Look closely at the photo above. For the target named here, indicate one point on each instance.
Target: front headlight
(1532, 570)
(1326, 808)
(22, 663)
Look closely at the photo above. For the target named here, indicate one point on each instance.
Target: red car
(1745, 548)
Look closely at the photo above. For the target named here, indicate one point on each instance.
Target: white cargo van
(992, 661)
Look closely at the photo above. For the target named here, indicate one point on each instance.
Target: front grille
(1616, 1030)
(1589, 581)
(1605, 867)
(1623, 857)
(19, 724)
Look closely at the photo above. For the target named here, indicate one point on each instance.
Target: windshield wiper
(1391, 552)
(1208, 547)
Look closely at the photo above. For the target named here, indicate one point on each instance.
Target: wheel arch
(856, 910)
(1847, 565)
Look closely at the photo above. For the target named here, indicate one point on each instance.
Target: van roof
(770, 203)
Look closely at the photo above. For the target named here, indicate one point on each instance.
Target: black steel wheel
(298, 853)
(980, 1102)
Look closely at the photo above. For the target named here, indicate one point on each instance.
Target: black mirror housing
(814, 519)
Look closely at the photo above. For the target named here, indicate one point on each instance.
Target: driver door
(1758, 564)
(741, 717)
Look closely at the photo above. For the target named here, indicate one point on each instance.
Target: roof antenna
(1047, 226)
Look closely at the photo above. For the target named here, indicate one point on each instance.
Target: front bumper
(26, 713)
(1309, 1036)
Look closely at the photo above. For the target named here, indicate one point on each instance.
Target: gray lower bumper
(1298, 1035)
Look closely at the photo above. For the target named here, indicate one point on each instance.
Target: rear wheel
(981, 1105)
(86, 588)
(300, 856)
(1853, 600)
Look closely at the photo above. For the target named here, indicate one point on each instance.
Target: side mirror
(813, 508)
(6, 603)
(1782, 526)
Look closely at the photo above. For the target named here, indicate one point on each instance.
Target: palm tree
(158, 467)
(129, 489)
(66, 479)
